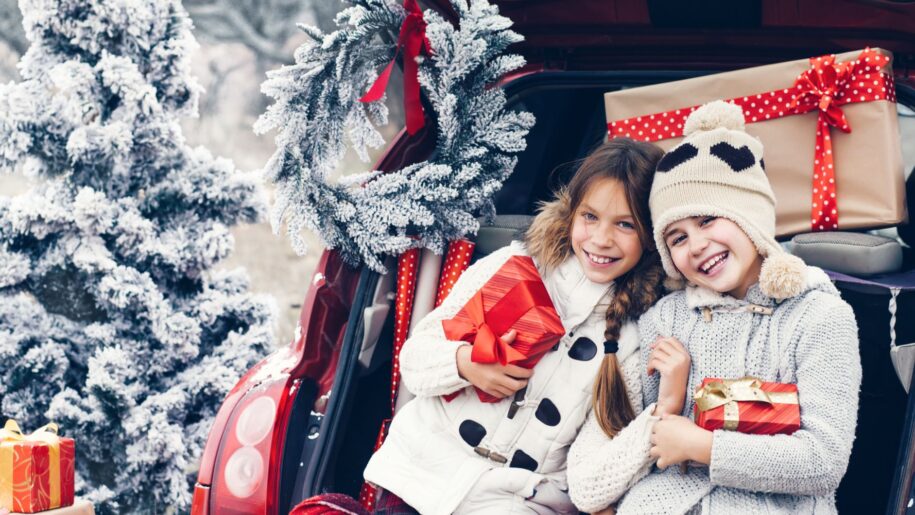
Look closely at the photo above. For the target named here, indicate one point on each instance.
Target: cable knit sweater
(810, 340)
(437, 450)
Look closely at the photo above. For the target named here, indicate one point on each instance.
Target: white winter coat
(429, 457)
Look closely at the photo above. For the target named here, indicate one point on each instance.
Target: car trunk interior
(570, 122)
(713, 34)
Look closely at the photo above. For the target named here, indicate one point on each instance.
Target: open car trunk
(570, 122)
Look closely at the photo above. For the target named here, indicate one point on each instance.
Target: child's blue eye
(707, 220)
(589, 217)
(627, 225)
(680, 238)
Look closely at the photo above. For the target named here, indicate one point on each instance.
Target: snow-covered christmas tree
(113, 320)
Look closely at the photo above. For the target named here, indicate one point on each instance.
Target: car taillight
(256, 421)
(248, 466)
(244, 472)
(255, 414)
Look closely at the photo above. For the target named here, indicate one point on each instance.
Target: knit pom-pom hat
(718, 170)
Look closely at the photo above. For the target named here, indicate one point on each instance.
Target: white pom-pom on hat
(782, 276)
(714, 115)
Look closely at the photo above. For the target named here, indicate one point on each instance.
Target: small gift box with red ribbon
(514, 298)
(36, 470)
(747, 405)
(828, 123)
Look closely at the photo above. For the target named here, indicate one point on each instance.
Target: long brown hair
(632, 164)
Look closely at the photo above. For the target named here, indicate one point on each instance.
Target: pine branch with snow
(425, 204)
(113, 320)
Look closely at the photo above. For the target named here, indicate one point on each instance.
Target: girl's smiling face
(715, 253)
(604, 235)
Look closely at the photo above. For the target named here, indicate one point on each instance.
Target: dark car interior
(570, 121)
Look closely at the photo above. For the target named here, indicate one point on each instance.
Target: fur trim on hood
(547, 239)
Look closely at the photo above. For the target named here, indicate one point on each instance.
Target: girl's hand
(609, 510)
(675, 439)
(670, 358)
(493, 378)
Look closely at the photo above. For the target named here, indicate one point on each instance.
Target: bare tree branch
(264, 26)
(11, 31)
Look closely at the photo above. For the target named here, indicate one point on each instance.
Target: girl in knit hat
(746, 308)
(593, 248)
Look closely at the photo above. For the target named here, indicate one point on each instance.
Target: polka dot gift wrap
(828, 124)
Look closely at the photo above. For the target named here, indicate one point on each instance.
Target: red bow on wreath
(412, 40)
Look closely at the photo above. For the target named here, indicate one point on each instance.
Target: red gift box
(514, 298)
(747, 405)
(36, 470)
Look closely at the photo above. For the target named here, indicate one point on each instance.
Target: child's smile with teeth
(604, 224)
(600, 260)
(707, 266)
(715, 253)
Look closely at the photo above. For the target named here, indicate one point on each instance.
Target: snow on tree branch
(113, 321)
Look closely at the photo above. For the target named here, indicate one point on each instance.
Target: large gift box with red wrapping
(747, 405)
(829, 126)
(36, 470)
(514, 298)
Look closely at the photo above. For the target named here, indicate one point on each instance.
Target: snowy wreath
(334, 89)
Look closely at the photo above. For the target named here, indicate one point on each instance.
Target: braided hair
(632, 163)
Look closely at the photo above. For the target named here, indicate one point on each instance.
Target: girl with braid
(593, 248)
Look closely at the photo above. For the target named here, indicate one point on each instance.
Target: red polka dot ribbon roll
(456, 261)
(407, 266)
(826, 86)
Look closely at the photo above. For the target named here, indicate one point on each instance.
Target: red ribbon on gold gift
(826, 86)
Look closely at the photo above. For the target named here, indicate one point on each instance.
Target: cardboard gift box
(829, 126)
(36, 470)
(747, 405)
(514, 298)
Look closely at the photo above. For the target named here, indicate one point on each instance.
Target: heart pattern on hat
(676, 157)
(739, 159)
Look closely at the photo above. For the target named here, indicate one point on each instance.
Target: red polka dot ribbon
(456, 261)
(825, 87)
(407, 266)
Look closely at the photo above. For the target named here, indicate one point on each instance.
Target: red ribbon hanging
(412, 40)
(456, 261)
(826, 86)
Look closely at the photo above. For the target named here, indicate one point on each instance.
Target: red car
(305, 420)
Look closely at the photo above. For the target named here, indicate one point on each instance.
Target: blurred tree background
(240, 41)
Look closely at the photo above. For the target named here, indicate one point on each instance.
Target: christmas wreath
(334, 90)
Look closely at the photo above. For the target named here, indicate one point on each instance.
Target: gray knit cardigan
(810, 340)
